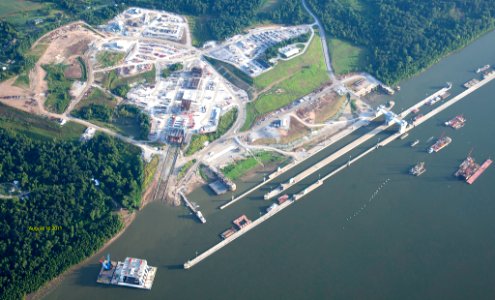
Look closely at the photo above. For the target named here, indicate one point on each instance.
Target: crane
(106, 264)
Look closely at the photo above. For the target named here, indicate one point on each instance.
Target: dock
(286, 168)
(336, 138)
(319, 182)
(194, 209)
(388, 140)
(439, 93)
(480, 171)
(191, 263)
(299, 177)
(329, 159)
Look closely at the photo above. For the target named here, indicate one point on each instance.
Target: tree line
(124, 113)
(224, 18)
(405, 36)
(72, 186)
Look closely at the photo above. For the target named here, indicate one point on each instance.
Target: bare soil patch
(326, 107)
(73, 71)
(296, 131)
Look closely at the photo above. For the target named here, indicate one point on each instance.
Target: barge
(456, 122)
(482, 69)
(480, 171)
(418, 169)
(132, 272)
(440, 144)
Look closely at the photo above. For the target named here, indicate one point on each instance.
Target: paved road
(201, 155)
(323, 38)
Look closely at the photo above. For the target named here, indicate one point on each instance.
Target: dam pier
(339, 153)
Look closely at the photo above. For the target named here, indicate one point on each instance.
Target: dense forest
(223, 18)
(67, 214)
(125, 114)
(405, 36)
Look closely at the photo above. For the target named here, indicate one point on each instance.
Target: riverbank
(320, 232)
(126, 217)
(239, 169)
(52, 284)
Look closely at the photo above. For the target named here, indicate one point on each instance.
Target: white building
(289, 51)
(88, 134)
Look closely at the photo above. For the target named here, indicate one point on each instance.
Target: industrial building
(243, 51)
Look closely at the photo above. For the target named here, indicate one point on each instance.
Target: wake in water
(363, 207)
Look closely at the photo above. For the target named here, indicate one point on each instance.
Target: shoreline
(127, 220)
(258, 169)
(48, 287)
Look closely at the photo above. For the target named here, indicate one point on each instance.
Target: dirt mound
(78, 48)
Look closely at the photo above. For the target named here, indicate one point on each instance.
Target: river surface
(430, 237)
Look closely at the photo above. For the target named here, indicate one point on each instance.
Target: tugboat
(457, 122)
(482, 69)
(418, 169)
(434, 100)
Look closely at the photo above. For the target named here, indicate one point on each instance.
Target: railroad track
(166, 169)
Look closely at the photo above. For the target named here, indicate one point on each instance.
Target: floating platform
(480, 171)
(242, 222)
(133, 272)
(228, 233)
(105, 276)
(218, 187)
(193, 208)
(471, 83)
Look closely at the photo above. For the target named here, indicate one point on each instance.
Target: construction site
(189, 101)
(61, 46)
(147, 55)
(138, 22)
(245, 51)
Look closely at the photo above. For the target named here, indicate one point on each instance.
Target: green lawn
(346, 57)
(8, 7)
(241, 167)
(313, 57)
(36, 126)
(183, 170)
(58, 88)
(112, 80)
(149, 171)
(38, 50)
(84, 70)
(105, 113)
(288, 81)
(97, 96)
(35, 53)
(109, 58)
(22, 80)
